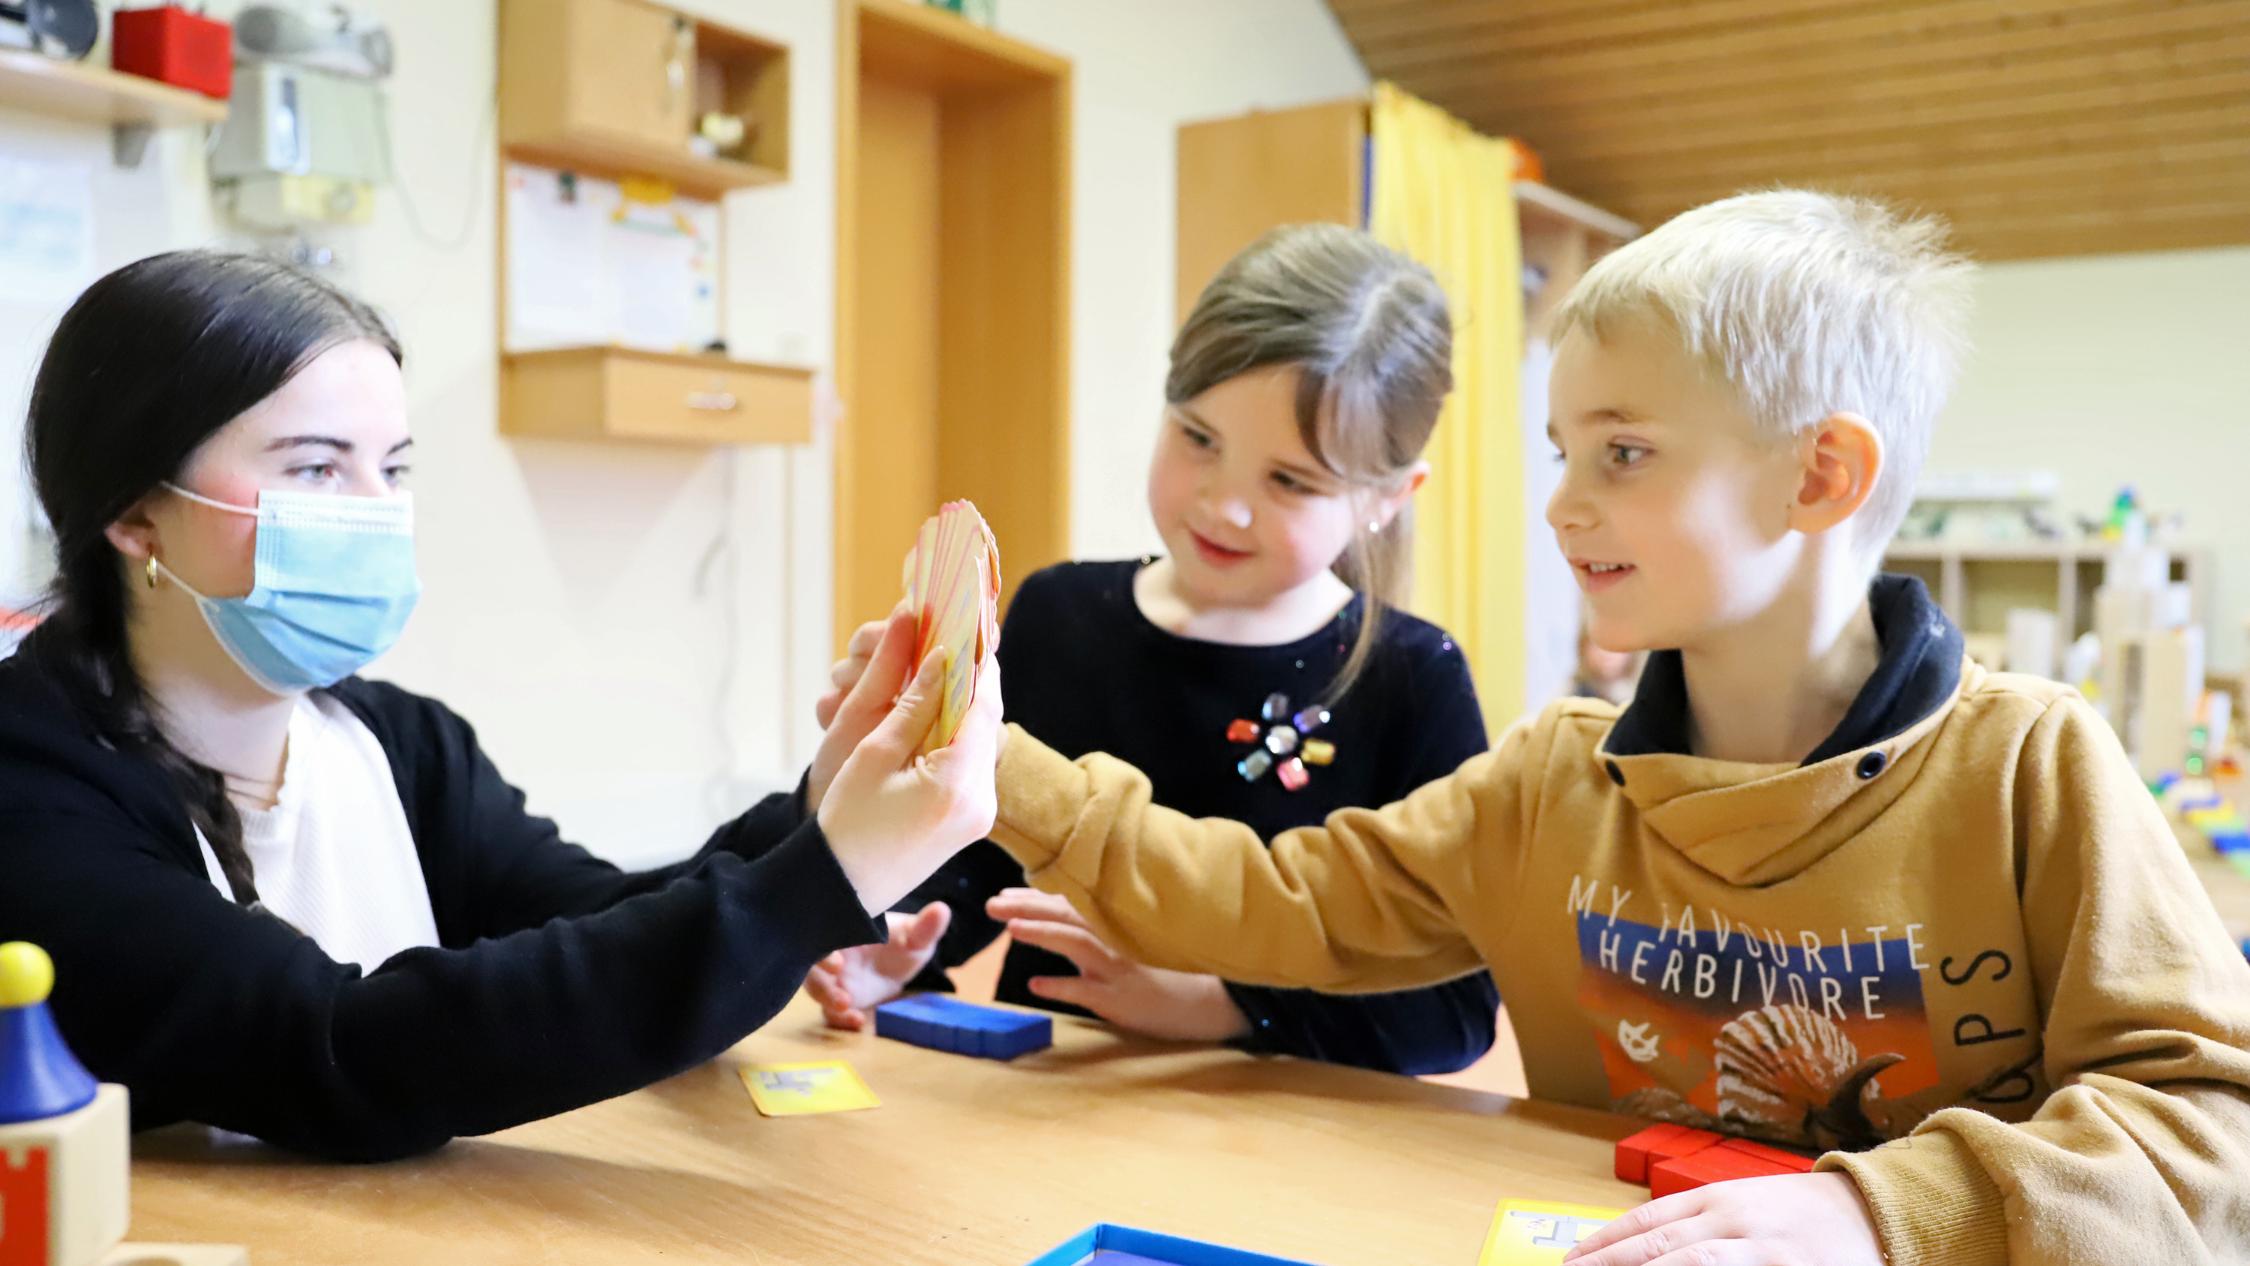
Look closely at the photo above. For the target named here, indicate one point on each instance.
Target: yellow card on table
(794, 1090)
(1538, 1232)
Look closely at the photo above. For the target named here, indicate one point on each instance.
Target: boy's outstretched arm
(1373, 899)
(2142, 1150)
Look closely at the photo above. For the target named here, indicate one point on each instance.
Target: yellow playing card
(1538, 1233)
(792, 1090)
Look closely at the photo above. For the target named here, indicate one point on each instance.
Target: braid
(84, 645)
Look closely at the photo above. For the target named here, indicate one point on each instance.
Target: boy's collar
(1918, 671)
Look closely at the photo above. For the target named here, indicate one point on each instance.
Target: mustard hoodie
(1959, 945)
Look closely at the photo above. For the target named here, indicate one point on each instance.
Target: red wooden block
(1632, 1151)
(176, 47)
(1658, 1142)
(1789, 1162)
(1698, 1169)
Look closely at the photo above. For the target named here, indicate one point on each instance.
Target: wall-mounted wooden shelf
(615, 88)
(617, 393)
(132, 106)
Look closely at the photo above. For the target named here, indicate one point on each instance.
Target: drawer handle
(713, 401)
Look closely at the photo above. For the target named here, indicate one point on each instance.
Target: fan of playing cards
(953, 586)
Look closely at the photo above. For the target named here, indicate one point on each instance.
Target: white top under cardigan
(334, 855)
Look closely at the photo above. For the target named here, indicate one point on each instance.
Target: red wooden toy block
(1712, 1164)
(174, 46)
(1790, 1162)
(1635, 1155)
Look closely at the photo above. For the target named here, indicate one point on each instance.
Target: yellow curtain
(1446, 196)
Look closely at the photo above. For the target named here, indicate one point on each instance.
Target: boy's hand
(850, 983)
(1781, 1221)
(1178, 1006)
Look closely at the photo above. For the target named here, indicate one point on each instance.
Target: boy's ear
(1842, 457)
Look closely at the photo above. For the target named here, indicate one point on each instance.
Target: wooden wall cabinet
(1239, 177)
(617, 87)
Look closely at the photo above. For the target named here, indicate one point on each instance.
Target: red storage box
(174, 46)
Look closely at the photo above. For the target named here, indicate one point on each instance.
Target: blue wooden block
(1107, 1245)
(2230, 841)
(944, 1023)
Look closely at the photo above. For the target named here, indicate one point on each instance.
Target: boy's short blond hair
(1807, 304)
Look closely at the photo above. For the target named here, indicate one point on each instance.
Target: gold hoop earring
(150, 571)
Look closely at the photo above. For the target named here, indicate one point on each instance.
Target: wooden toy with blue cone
(65, 1141)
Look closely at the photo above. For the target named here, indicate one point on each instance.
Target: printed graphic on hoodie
(1813, 1037)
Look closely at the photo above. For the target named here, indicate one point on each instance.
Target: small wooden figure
(65, 1139)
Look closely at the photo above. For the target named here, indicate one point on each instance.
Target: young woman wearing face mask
(296, 904)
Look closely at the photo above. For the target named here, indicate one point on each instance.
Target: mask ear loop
(200, 499)
(150, 571)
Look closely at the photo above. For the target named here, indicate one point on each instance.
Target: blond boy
(1825, 882)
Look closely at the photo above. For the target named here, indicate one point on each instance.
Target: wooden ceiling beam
(1659, 70)
(2108, 81)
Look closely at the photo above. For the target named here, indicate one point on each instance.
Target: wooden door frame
(948, 54)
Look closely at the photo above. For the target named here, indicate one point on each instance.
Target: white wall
(563, 610)
(1141, 70)
(2125, 369)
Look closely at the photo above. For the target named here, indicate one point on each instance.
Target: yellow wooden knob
(27, 975)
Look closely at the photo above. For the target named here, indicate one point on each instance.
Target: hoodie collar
(1919, 667)
(1754, 824)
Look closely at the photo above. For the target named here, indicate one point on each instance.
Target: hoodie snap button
(1616, 775)
(1872, 764)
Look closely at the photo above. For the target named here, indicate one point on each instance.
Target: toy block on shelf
(944, 1023)
(1635, 1155)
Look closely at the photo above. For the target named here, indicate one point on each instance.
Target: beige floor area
(1500, 1071)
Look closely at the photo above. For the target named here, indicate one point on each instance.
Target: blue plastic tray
(1106, 1245)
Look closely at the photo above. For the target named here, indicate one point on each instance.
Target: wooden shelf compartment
(615, 88)
(618, 393)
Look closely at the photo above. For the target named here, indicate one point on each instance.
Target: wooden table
(967, 1161)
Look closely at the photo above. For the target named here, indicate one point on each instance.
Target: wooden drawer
(606, 393)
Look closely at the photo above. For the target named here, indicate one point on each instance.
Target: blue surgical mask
(333, 586)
